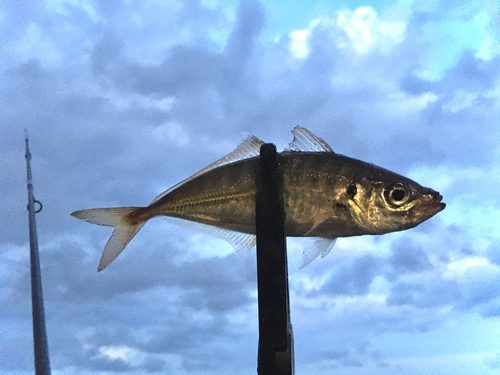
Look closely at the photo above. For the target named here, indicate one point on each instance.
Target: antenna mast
(42, 365)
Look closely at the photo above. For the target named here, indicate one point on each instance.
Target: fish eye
(397, 194)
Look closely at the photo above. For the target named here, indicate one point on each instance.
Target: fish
(325, 196)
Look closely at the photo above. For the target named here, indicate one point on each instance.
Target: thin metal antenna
(42, 364)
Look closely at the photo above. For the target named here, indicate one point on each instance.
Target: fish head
(391, 203)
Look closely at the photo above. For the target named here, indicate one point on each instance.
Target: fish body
(325, 195)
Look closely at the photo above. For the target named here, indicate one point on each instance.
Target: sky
(123, 99)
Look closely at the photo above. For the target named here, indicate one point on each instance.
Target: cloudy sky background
(123, 99)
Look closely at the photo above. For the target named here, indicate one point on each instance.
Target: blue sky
(124, 99)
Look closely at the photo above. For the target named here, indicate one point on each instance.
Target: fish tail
(126, 223)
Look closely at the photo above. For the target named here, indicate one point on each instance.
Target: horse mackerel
(326, 195)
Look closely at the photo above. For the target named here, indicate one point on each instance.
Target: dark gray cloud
(493, 253)
(441, 293)
(187, 307)
(470, 73)
(406, 258)
(354, 278)
(474, 291)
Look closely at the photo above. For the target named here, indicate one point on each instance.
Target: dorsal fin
(250, 147)
(304, 140)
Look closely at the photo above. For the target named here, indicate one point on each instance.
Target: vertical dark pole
(42, 365)
(275, 331)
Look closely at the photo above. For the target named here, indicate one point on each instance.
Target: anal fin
(241, 242)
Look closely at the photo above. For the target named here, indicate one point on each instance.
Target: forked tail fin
(120, 219)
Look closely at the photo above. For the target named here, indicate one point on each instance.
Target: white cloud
(366, 32)
(63, 8)
(473, 266)
(171, 132)
(488, 49)
(36, 44)
(460, 100)
(463, 28)
(364, 29)
(124, 353)
(298, 44)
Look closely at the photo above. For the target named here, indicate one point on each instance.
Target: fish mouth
(428, 206)
(435, 202)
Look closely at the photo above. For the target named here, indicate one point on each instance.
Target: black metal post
(42, 364)
(275, 330)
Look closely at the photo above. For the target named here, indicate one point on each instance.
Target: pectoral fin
(321, 246)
